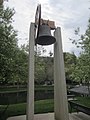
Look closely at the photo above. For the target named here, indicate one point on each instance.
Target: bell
(45, 37)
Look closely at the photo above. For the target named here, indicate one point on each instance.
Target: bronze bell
(45, 37)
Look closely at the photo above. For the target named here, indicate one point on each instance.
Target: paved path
(50, 116)
(79, 116)
(80, 89)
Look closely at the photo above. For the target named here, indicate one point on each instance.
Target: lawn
(84, 100)
(41, 106)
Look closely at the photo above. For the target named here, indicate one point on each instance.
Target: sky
(67, 14)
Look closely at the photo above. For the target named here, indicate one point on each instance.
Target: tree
(8, 43)
(84, 59)
(70, 61)
(43, 66)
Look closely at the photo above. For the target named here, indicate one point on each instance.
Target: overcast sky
(67, 14)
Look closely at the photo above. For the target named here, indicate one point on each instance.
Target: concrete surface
(80, 89)
(30, 88)
(60, 92)
(50, 116)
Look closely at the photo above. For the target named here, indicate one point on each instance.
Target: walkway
(50, 116)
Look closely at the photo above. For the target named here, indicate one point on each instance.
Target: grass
(13, 110)
(84, 101)
(41, 106)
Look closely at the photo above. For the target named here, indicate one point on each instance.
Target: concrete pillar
(30, 91)
(60, 93)
(1, 2)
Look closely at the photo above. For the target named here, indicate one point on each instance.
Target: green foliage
(20, 67)
(39, 70)
(43, 69)
(8, 43)
(82, 69)
(13, 60)
(70, 61)
(86, 40)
